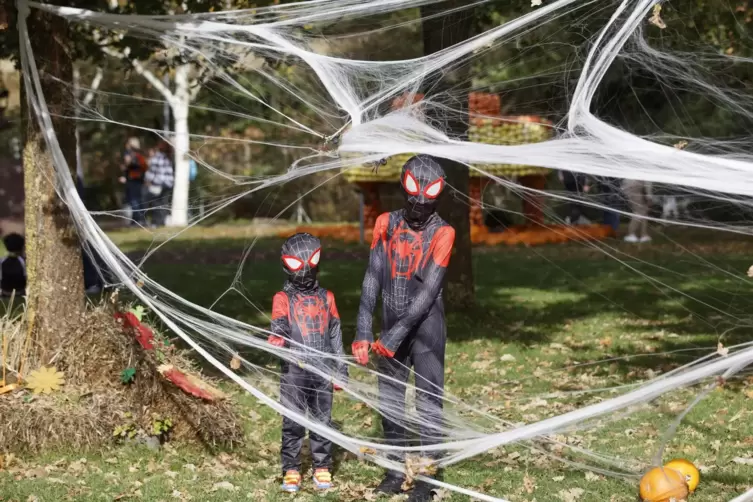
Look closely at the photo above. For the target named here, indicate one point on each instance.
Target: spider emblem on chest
(406, 250)
(310, 314)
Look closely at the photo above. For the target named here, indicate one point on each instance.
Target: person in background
(13, 267)
(609, 198)
(134, 168)
(638, 193)
(576, 184)
(159, 182)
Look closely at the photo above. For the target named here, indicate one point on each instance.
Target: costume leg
(293, 386)
(428, 365)
(392, 397)
(320, 409)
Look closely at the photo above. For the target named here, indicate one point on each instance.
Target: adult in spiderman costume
(305, 313)
(410, 252)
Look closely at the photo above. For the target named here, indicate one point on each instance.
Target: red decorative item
(143, 333)
(189, 384)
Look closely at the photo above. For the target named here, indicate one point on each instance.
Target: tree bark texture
(180, 104)
(53, 253)
(441, 32)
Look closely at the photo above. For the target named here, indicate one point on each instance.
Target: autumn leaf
(536, 3)
(656, 19)
(235, 363)
(721, 350)
(680, 145)
(571, 495)
(529, 484)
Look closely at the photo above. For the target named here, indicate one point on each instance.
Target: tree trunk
(53, 252)
(440, 32)
(180, 106)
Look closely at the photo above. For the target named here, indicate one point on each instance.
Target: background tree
(445, 24)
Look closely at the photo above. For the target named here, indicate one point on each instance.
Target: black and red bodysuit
(306, 313)
(409, 255)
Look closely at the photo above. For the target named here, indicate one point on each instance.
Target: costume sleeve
(372, 281)
(429, 286)
(280, 315)
(336, 335)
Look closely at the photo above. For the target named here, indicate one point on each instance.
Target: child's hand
(382, 350)
(277, 341)
(361, 352)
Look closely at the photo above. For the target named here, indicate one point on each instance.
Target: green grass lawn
(520, 355)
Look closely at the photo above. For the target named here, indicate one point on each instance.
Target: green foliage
(138, 311)
(125, 431)
(161, 426)
(128, 375)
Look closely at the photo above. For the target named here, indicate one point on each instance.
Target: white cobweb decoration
(349, 98)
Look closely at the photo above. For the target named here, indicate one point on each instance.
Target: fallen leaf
(656, 19)
(536, 3)
(571, 495)
(590, 476)
(558, 478)
(235, 363)
(750, 271)
(171, 474)
(507, 358)
(743, 461)
(721, 350)
(681, 145)
(529, 484)
(223, 485)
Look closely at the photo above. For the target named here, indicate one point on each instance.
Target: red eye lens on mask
(314, 260)
(410, 184)
(434, 189)
(292, 263)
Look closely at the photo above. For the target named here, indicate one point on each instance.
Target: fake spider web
(349, 99)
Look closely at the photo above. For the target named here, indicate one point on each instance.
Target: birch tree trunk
(180, 105)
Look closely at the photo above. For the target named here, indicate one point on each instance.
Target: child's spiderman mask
(423, 181)
(300, 259)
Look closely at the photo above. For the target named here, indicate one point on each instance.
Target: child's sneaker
(322, 479)
(291, 482)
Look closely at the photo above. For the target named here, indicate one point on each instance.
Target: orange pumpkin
(662, 485)
(687, 469)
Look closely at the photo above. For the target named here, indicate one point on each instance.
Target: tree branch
(93, 87)
(152, 79)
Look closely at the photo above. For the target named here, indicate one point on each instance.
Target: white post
(180, 105)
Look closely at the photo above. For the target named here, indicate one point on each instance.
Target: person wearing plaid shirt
(159, 181)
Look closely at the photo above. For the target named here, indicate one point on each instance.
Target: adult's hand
(361, 352)
(382, 350)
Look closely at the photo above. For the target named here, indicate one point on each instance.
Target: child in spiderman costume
(410, 252)
(305, 313)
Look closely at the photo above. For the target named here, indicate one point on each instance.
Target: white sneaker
(584, 221)
(567, 220)
(631, 238)
(646, 238)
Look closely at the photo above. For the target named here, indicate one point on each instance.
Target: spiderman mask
(423, 182)
(300, 260)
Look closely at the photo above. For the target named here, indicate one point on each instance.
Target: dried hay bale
(94, 400)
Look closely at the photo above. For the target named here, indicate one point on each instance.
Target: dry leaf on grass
(656, 19)
(590, 476)
(571, 495)
(743, 461)
(223, 485)
(235, 363)
(721, 350)
(529, 484)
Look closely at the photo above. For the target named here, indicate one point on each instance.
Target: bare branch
(94, 86)
(152, 79)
